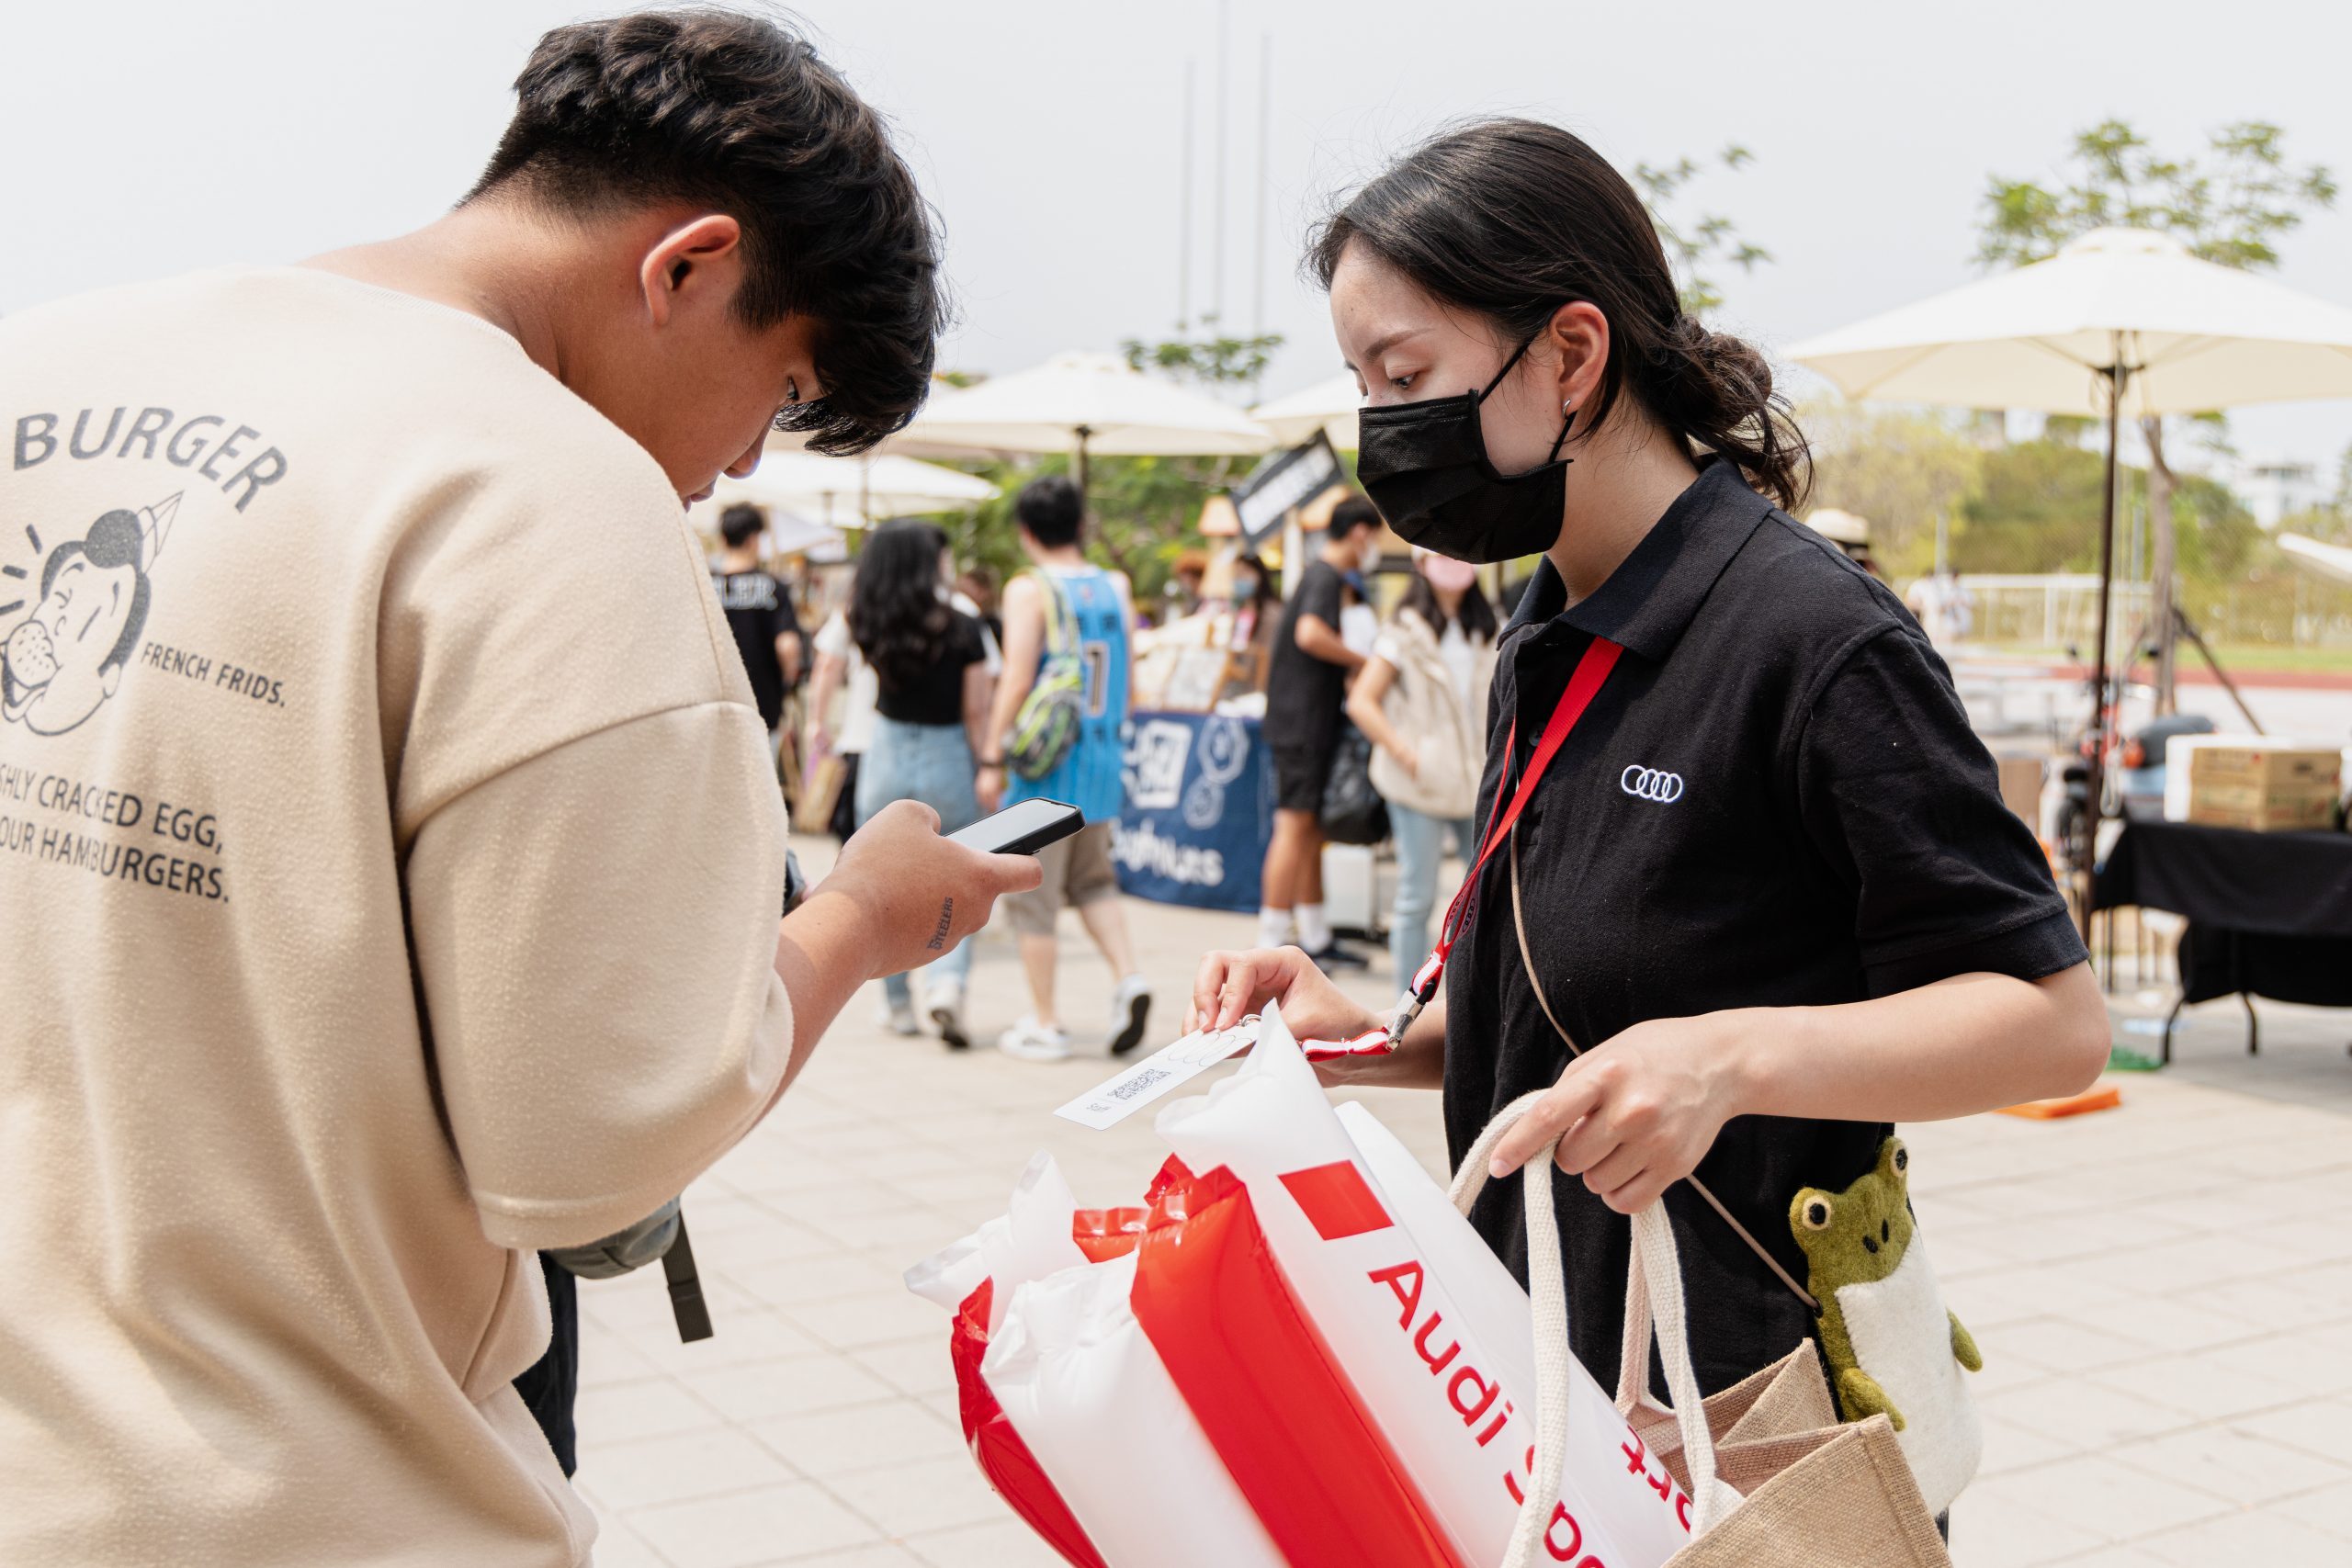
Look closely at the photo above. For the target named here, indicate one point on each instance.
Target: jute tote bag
(1768, 1491)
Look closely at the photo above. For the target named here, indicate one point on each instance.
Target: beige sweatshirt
(389, 864)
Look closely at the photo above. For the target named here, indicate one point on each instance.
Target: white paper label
(1112, 1103)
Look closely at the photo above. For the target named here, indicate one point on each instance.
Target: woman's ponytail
(1716, 391)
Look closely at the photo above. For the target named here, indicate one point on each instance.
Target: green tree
(1697, 242)
(1142, 513)
(1896, 468)
(2228, 204)
(2034, 508)
(1216, 359)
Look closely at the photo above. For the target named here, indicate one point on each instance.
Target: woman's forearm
(1973, 1042)
(1364, 706)
(1419, 1062)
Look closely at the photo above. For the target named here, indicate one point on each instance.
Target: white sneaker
(1130, 1008)
(1030, 1041)
(898, 1018)
(946, 1001)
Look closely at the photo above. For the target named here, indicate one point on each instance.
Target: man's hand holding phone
(916, 893)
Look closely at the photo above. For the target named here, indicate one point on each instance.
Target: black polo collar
(1650, 598)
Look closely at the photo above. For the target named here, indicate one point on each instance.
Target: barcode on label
(1165, 1069)
(1137, 1084)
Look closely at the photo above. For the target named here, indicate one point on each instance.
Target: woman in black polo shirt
(1766, 883)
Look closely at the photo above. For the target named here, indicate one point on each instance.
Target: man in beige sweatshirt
(390, 854)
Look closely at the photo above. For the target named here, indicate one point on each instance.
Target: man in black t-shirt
(759, 612)
(1306, 687)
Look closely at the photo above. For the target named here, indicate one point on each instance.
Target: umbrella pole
(1083, 432)
(2094, 807)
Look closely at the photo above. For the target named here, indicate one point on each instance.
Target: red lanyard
(1583, 683)
(1591, 672)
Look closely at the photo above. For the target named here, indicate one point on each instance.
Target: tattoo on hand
(946, 915)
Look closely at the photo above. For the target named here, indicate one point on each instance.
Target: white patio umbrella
(2122, 321)
(2328, 560)
(1084, 403)
(789, 531)
(852, 490)
(1328, 406)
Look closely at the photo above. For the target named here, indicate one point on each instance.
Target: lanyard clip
(1408, 1005)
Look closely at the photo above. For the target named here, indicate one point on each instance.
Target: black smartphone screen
(1023, 829)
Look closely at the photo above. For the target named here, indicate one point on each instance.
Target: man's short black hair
(1051, 509)
(740, 524)
(739, 114)
(1356, 512)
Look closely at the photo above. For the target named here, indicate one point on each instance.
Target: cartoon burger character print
(66, 657)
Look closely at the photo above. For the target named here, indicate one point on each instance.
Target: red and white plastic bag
(1303, 1355)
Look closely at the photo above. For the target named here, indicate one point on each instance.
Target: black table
(2270, 914)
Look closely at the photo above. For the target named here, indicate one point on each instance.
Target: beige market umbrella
(1328, 406)
(2328, 560)
(1084, 403)
(852, 490)
(2122, 321)
(1839, 527)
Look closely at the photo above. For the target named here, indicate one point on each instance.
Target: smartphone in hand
(1022, 829)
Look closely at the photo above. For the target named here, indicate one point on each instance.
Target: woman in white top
(1422, 698)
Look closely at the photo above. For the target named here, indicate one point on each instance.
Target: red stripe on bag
(1336, 1200)
(1004, 1458)
(1266, 1393)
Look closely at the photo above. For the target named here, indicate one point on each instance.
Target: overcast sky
(145, 138)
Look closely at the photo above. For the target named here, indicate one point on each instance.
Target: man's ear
(704, 256)
(1578, 334)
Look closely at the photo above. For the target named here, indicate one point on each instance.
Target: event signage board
(1198, 810)
(1288, 479)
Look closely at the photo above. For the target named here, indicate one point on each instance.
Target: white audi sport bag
(1434, 1337)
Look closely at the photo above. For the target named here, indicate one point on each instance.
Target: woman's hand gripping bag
(1432, 1333)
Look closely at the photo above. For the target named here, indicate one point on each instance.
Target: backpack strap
(1061, 632)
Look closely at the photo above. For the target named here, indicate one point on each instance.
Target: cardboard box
(2257, 813)
(2251, 781)
(2021, 786)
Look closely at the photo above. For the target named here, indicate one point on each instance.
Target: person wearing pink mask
(1422, 700)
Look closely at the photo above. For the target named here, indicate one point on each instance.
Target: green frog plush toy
(1892, 1344)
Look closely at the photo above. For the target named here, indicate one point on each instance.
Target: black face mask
(1425, 467)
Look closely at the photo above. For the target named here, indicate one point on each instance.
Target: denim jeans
(933, 764)
(1420, 846)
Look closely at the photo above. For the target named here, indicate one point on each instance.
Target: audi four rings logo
(1651, 783)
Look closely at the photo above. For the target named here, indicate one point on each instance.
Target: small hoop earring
(1568, 407)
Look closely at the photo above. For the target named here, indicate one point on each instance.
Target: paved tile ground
(2163, 1295)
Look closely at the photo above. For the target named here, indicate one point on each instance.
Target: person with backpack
(1422, 700)
(1056, 732)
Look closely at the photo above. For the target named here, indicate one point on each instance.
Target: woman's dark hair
(1512, 219)
(1476, 618)
(1051, 509)
(1265, 597)
(737, 114)
(897, 615)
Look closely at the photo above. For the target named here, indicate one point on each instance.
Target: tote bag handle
(1653, 1290)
